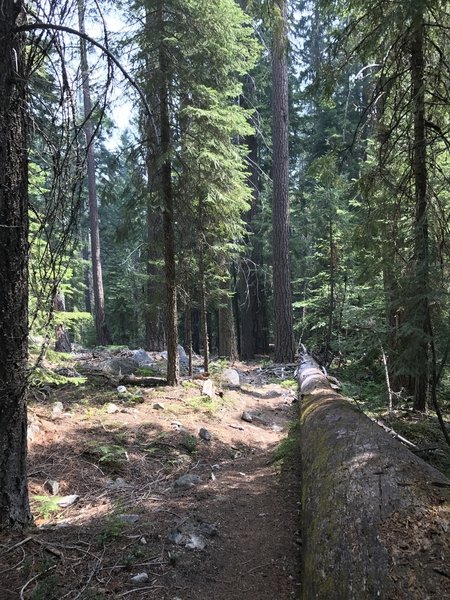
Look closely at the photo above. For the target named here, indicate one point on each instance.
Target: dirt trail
(229, 531)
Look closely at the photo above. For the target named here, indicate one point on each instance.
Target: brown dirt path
(241, 516)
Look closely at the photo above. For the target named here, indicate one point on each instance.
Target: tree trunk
(282, 294)
(203, 315)
(103, 337)
(14, 507)
(420, 306)
(367, 501)
(173, 366)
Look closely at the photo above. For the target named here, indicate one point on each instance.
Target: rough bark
(282, 294)
(103, 337)
(362, 494)
(14, 508)
(173, 366)
(203, 315)
(420, 306)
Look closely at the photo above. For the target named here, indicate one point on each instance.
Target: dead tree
(374, 520)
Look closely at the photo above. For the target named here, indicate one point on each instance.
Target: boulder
(142, 358)
(231, 378)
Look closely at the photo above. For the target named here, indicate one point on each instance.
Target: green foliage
(112, 456)
(45, 507)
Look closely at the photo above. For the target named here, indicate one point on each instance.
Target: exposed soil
(232, 535)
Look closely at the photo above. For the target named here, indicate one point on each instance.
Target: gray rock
(67, 372)
(66, 501)
(247, 417)
(51, 486)
(187, 481)
(158, 406)
(32, 431)
(111, 408)
(142, 357)
(208, 389)
(183, 357)
(231, 378)
(121, 365)
(117, 484)
(196, 542)
(57, 410)
(175, 537)
(209, 529)
(129, 519)
(140, 578)
(204, 434)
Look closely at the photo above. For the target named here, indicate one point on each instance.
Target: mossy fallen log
(375, 516)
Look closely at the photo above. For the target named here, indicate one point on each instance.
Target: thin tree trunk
(14, 507)
(203, 315)
(328, 355)
(103, 337)
(188, 334)
(282, 294)
(173, 366)
(420, 306)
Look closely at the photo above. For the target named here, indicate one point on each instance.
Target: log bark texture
(375, 516)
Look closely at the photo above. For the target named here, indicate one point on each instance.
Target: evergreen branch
(108, 53)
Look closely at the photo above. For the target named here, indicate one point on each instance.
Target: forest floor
(139, 528)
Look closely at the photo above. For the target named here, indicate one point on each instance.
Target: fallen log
(375, 516)
(143, 381)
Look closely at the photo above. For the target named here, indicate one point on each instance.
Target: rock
(209, 529)
(208, 389)
(121, 365)
(66, 501)
(204, 434)
(143, 541)
(212, 476)
(246, 416)
(175, 537)
(121, 389)
(158, 406)
(142, 357)
(140, 578)
(187, 481)
(32, 430)
(177, 425)
(231, 378)
(57, 410)
(67, 372)
(129, 519)
(183, 357)
(196, 542)
(111, 408)
(51, 486)
(118, 484)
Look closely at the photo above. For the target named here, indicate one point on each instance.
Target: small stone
(32, 430)
(158, 406)
(118, 484)
(111, 408)
(122, 389)
(57, 409)
(177, 425)
(209, 529)
(196, 542)
(143, 541)
(187, 481)
(208, 389)
(140, 578)
(51, 486)
(130, 519)
(175, 537)
(246, 416)
(204, 434)
(212, 476)
(66, 501)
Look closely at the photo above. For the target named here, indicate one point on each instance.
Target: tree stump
(375, 516)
